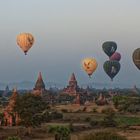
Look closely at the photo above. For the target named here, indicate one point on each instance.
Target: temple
(72, 88)
(39, 88)
(101, 100)
(10, 117)
(6, 91)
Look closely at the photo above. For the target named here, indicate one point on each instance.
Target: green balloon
(136, 58)
(109, 47)
(111, 68)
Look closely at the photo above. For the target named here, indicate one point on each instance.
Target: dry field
(89, 108)
(41, 134)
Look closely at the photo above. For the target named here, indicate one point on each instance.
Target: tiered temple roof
(12, 101)
(11, 117)
(73, 87)
(39, 85)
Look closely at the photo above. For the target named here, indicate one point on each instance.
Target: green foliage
(109, 118)
(13, 138)
(87, 119)
(71, 127)
(94, 123)
(2, 118)
(128, 121)
(30, 108)
(52, 115)
(61, 132)
(127, 104)
(103, 136)
(117, 100)
(56, 115)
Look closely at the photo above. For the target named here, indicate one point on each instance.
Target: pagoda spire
(40, 76)
(73, 81)
(72, 78)
(39, 83)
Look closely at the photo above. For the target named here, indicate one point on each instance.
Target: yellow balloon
(89, 65)
(25, 41)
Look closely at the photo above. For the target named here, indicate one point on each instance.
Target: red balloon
(116, 56)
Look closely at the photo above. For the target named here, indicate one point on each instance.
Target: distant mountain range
(27, 85)
(100, 85)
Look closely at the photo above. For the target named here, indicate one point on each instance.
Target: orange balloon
(25, 41)
(89, 65)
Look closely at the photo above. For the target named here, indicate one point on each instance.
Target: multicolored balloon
(25, 41)
(89, 65)
(116, 56)
(109, 47)
(111, 68)
(136, 58)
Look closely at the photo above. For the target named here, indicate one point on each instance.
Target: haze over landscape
(65, 32)
(70, 70)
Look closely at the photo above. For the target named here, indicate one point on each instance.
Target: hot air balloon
(109, 47)
(25, 41)
(111, 68)
(89, 65)
(116, 56)
(136, 58)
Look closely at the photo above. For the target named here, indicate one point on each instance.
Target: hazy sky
(65, 32)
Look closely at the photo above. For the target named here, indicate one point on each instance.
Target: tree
(109, 118)
(127, 104)
(61, 132)
(119, 100)
(30, 109)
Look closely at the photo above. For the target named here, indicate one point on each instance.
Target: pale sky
(66, 31)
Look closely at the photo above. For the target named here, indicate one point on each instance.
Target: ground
(129, 124)
(41, 134)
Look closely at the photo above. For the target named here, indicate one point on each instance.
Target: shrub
(109, 118)
(61, 132)
(127, 104)
(56, 115)
(94, 110)
(48, 116)
(71, 127)
(87, 119)
(94, 123)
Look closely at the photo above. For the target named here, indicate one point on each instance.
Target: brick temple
(72, 88)
(10, 117)
(39, 88)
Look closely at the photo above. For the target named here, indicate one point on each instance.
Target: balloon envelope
(111, 68)
(89, 65)
(109, 47)
(136, 58)
(116, 56)
(25, 41)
